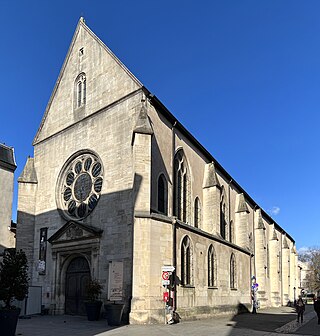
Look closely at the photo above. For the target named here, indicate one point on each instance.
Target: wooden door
(77, 278)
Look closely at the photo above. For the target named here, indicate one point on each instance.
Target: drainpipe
(174, 226)
(174, 262)
(254, 240)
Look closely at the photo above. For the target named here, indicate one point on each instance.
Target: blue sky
(242, 76)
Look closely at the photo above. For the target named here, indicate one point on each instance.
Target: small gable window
(80, 91)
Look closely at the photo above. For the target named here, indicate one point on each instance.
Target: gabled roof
(81, 24)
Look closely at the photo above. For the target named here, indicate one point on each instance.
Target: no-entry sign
(165, 275)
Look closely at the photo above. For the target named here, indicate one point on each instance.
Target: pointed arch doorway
(77, 278)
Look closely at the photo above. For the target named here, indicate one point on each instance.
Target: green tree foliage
(312, 257)
(13, 277)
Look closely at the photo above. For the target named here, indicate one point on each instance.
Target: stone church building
(118, 185)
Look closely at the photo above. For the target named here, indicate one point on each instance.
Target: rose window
(80, 186)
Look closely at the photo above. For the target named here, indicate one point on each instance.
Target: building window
(181, 188)
(223, 215)
(197, 213)
(80, 91)
(233, 272)
(80, 185)
(186, 262)
(212, 267)
(162, 195)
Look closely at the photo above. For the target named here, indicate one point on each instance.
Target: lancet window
(233, 272)
(186, 262)
(162, 195)
(80, 90)
(181, 188)
(212, 267)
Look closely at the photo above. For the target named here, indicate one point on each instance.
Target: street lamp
(294, 293)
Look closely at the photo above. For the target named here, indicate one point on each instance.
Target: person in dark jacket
(316, 306)
(300, 307)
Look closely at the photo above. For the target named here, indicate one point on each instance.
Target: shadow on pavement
(264, 320)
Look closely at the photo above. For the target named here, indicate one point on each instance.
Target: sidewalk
(272, 321)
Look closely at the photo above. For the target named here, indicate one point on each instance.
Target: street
(271, 321)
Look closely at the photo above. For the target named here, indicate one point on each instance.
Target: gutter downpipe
(254, 239)
(174, 225)
(252, 254)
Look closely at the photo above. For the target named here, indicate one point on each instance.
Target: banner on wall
(42, 251)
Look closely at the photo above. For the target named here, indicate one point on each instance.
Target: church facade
(118, 190)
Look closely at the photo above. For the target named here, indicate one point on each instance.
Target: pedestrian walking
(300, 308)
(316, 306)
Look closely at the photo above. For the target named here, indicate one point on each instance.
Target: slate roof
(7, 159)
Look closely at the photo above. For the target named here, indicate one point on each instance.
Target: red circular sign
(165, 275)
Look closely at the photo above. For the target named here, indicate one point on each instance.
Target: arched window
(162, 195)
(80, 91)
(181, 188)
(197, 213)
(186, 262)
(233, 272)
(212, 267)
(223, 214)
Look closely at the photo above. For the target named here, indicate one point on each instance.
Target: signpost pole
(166, 272)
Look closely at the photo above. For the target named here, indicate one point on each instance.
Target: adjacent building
(7, 169)
(120, 191)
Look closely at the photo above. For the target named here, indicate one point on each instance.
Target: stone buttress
(260, 257)
(242, 222)
(275, 269)
(27, 189)
(141, 304)
(285, 270)
(211, 200)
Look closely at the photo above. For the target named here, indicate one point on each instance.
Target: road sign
(168, 268)
(166, 296)
(165, 275)
(165, 282)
